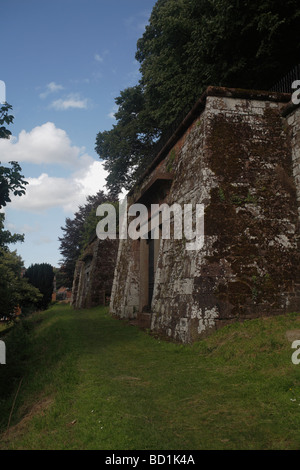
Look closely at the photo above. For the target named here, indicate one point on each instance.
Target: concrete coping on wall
(289, 108)
(198, 108)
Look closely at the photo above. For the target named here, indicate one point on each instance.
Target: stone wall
(237, 153)
(94, 272)
(292, 115)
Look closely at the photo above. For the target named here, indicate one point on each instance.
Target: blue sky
(63, 63)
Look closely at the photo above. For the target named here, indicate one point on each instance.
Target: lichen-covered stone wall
(239, 158)
(292, 115)
(93, 276)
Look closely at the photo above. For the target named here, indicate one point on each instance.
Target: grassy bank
(83, 380)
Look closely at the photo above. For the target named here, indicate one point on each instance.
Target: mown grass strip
(93, 382)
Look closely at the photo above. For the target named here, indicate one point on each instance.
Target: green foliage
(221, 195)
(127, 146)
(11, 180)
(15, 290)
(5, 235)
(171, 159)
(187, 46)
(41, 276)
(6, 119)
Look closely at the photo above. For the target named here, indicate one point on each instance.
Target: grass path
(93, 382)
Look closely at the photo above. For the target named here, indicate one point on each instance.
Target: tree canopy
(187, 46)
(11, 181)
(41, 276)
(15, 290)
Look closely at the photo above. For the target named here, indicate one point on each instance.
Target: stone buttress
(238, 154)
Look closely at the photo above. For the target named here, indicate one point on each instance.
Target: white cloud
(71, 101)
(47, 192)
(51, 87)
(92, 180)
(43, 144)
(49, 145)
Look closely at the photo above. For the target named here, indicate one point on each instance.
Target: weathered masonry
(94, 272)
(237, 153)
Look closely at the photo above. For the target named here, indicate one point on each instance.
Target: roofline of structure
(237, 93)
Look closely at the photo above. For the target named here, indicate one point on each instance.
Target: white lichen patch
(208, 319)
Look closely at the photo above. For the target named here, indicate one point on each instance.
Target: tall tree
(187, 46)
(41, 276)
(128, 145)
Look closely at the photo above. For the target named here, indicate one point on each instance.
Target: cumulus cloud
(47, 192)
(43, 144)
(71, 101)
(49, 145)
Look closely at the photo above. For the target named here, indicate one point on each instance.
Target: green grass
(4, 326)
(89, 381)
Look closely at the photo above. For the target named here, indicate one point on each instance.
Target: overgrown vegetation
(15, 290)
(88, 381)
